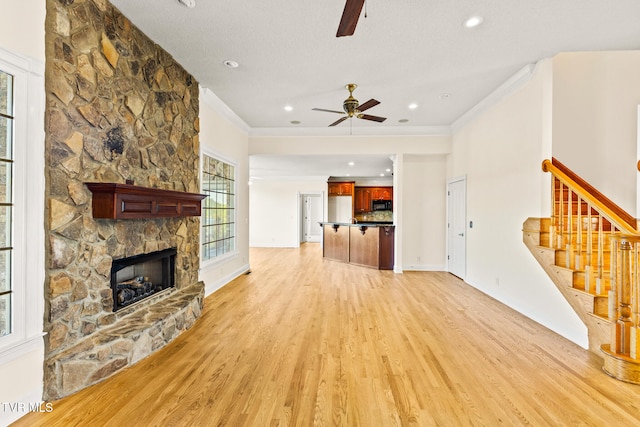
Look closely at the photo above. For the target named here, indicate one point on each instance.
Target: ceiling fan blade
(372, 118)
(337, 122)
(370, 103)
(328, 111)
(350, 15)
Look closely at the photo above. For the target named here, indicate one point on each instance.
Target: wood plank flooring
(306, 342)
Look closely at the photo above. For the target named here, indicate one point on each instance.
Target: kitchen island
(365, 244)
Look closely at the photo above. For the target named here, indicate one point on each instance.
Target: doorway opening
(311, 213)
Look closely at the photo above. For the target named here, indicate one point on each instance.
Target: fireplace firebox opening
(140, 276)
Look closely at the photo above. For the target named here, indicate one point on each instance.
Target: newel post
(623, 297)
(621, 343)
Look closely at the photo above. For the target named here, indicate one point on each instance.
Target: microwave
(381, 205)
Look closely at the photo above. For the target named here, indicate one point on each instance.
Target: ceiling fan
(350, 15)
(352, 108)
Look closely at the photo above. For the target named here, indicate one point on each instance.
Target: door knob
(461, 234)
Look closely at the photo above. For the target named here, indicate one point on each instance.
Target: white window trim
(29, 189)
(205, 264)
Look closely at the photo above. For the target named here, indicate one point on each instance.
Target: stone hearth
(136, 333)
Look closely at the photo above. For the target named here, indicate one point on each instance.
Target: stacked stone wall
(118, 107)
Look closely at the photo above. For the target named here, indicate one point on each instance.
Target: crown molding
(216, 104)
(506, 89)
(355, 131)
(263, 178)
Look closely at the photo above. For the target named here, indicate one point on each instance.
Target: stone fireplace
(119, 108)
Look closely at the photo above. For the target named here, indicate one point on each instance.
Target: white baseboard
(426, 267)
(211, 287)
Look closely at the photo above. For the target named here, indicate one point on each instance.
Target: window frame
(219, 258)
(7, 161)
(28, 271)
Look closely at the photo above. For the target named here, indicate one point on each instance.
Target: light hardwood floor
(301, 342)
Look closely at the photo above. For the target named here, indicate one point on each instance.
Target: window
(6, 200)
(218, 212)
(22, 184)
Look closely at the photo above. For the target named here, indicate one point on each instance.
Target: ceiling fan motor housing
(350, 105)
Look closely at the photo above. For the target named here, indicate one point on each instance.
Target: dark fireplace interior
(140, 276)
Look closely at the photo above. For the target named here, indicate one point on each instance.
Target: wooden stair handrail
(614, 213)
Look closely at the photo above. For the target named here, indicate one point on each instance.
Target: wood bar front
(368, 245)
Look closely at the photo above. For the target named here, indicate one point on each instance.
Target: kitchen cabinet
(365, 245)
(340, 188)
(364, 195)
(382, 193)
(362, 199)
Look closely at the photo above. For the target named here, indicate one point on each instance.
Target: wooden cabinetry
(362, 199)
(340, 188)
(382, 193)
(364, 195)
(364, 245)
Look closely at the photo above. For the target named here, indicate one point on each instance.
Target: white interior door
(311, 215)
(456, 226)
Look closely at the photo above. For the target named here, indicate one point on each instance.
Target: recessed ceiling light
(348, 174)
(403, 120)
(413, 106)
(288, 108)
(381, 174)
(295, 122)
(230, 63)
(472, 22)
(189, 3)
(351, 163)
(388, 170)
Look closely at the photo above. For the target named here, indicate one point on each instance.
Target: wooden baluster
(588, 267)
(569, 241)
(579, 261)
(560, 243)
(622, 326)
(614, 273)
(554, 212)
(600, 262)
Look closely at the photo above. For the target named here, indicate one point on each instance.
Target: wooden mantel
(125, 201)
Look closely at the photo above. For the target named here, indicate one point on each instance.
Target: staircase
(590, 248)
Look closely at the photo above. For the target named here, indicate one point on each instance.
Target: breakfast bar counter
(365, 244)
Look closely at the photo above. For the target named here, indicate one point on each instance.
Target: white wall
(595, 103)
(500, 152)
(274, 211)
(21, 367)
(22, 28)
(227, 140)
(424, 212)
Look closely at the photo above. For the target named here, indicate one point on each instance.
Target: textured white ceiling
(405, 51)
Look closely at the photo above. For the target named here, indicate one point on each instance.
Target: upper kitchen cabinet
(362, 199)
(340, 188)
(381, 193)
